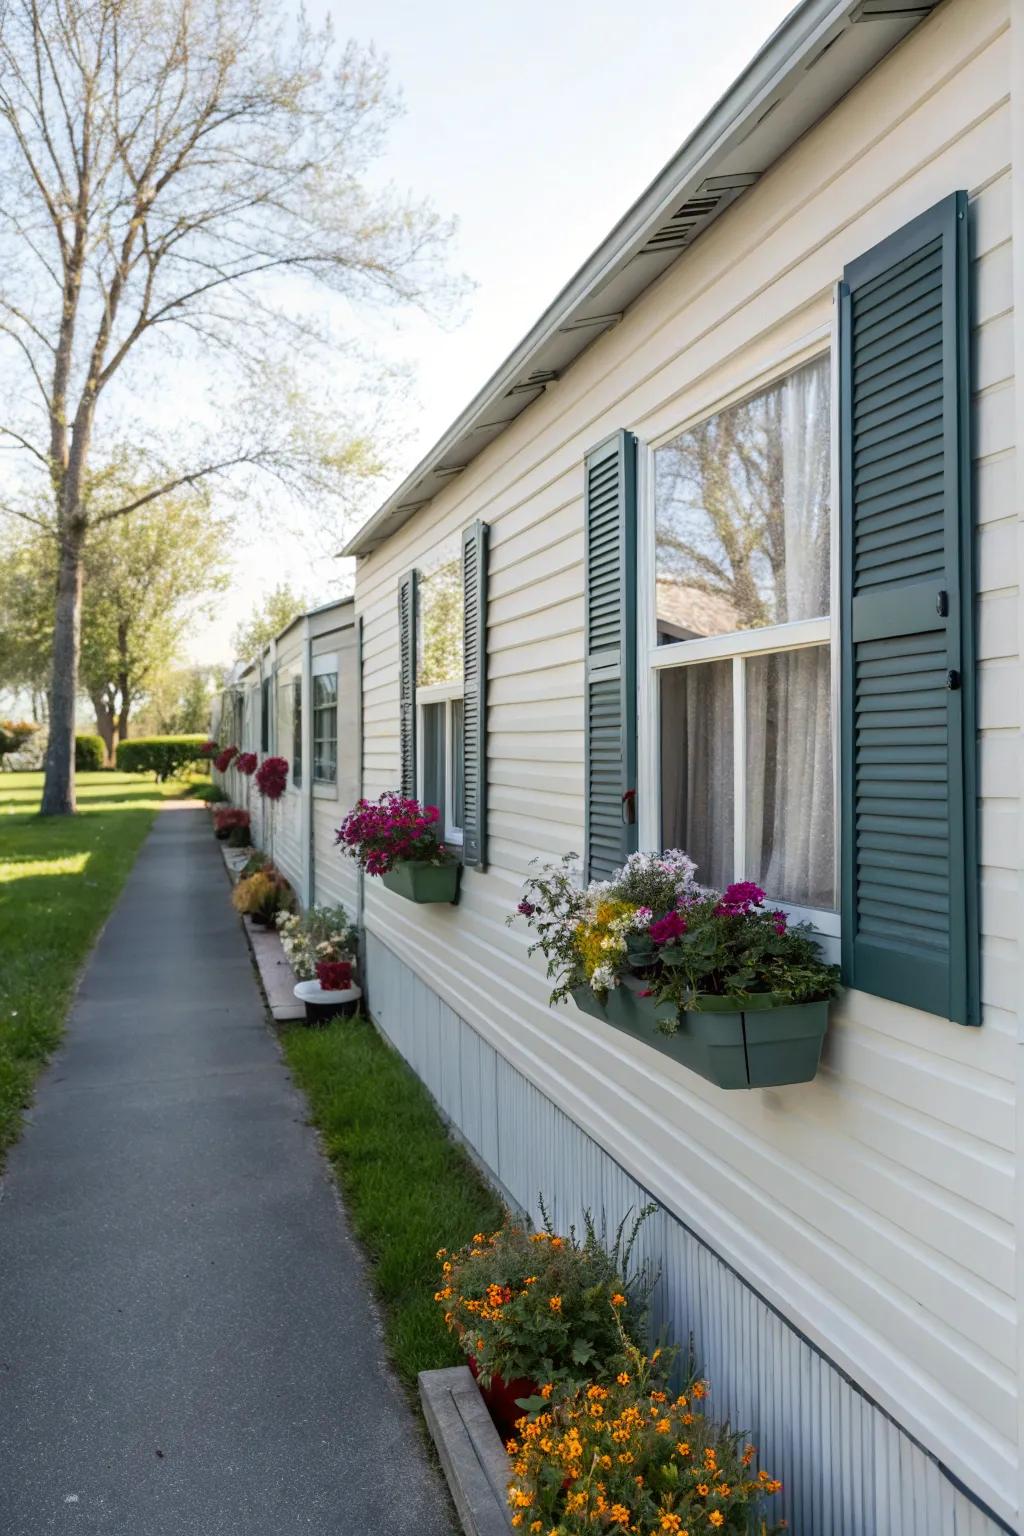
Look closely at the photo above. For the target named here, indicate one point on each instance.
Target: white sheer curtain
(697, 744)
(806, 476)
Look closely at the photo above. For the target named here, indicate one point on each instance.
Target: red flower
(334, 975)
(739, 898)
(222, 762)
(227, 816)
(208, 749)
(272, 777)
(664, 929)
(396, 827)
(246, 762)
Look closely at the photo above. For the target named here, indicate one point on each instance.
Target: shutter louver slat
(909, 881)
(474, 709)
(407, 683)
(610, 648)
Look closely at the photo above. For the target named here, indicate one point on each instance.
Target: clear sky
(536, 124)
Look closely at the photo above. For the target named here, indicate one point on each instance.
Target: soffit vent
(697, 212)
(892, 10)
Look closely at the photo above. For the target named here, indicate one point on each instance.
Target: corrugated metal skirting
(847, 1469)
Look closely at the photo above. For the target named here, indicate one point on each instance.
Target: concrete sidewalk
(187, 1344)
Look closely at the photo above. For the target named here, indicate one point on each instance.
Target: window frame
(324, 666)
(446, 694)
(295, 684)
(738, 646)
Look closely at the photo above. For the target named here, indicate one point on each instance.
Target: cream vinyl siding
(289, 841)
(874, 1207)
(334, 875)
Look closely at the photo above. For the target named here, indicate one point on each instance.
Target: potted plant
(262, 895)
(321, 947)
(537, 1312)
(717, 980)
(395, 838)
(625, 1455)
(228, 819)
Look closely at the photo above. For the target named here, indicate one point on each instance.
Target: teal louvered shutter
(610, 653)
(909, 843)
(407, 682)
(474, 707)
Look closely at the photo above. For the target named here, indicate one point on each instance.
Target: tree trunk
(122, 719)
(106, 725)
(59, 781)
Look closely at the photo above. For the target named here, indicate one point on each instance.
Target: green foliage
(239, 837)
(15, 733)
(61, 876)
(320, 933)
(163, 756)
(90, 754)
(276, 612)
(203, 790)
(409, 1189)
(548, 1308)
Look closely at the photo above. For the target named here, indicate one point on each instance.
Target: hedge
(90, 754)
(164, 756)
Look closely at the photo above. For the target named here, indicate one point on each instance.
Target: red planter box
(500, 1398)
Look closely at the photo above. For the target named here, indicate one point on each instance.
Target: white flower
(604, 979)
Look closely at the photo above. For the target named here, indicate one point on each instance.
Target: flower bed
(716, 979)
(395, 838)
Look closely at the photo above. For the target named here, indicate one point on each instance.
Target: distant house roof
(821, 50)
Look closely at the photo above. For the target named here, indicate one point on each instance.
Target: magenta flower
(526, 908)
(779, 921)
(246, 762)
(272, 777)
(383, 833)
(664, 929)
(739, 898)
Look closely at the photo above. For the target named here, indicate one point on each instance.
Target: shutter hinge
(942, 604)
(629, 807)
(952, 679)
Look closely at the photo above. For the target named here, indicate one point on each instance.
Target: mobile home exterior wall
(873, 1212)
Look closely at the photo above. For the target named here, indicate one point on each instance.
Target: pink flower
(526, 908)
(246, 762)
(779, 921)
(664, 929)
(222, 762)
(272, 777)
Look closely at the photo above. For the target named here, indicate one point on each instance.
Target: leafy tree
(179, 181)
(275, 613)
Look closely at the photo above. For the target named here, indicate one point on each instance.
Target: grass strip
(409, 1188)
(59, 879)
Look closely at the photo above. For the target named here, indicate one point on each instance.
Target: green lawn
(59, 878)
(409, 1189)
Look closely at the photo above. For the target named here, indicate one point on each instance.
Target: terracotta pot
(500, 1399)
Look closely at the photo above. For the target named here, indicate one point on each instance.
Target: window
(742, 642)
(297, 731)
(265, 716)
(325, 727)
(439, 685)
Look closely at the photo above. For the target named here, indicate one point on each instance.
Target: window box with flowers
(395, 838)
(717, 980)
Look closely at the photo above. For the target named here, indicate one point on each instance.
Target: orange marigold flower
(626, 1457)
(703, 1490)
(683, 1447)
(512, 1446)
(663, 1426)
(700, 1389)
(716, 1517)
(557, 1242)
(555, 1303)
(749, 1452)
(659, 1397)
(670, 1522)
(530, 1280)
(440, 1253)
(617, 1299)
(773, 1485)
(623, 1378)
(547, 1389)
(619, 1514)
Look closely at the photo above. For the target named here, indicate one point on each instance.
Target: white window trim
(324, 789)
(440, 693)
(652, 657)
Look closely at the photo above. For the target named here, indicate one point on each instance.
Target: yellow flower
(512, 1446)
(716, 1517)
(441, 1253)
(683, 1447)
(700, 1389)
(547, 1389)
(619, 1514)
(530, 1280)
(703, 1490)
(617, 1299)
(555, 1303)
(670, 1522)
(479, 1237)
(557, 1242)
(623, 1378)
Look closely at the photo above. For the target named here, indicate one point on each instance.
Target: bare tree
(170, 171)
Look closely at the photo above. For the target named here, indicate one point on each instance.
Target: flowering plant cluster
(550, 1309)
(653, 921)
(246, 762)
(209, 748)
(334, 975)
(624, 1455)
(262, 894)
(227, 817)
(222, 762)
(321, 934)
(272, 777)
(380, 834)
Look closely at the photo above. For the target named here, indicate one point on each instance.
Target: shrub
(321, 933)
(653, 921)
(553, 1310)
(239, 836)
(90, 754)
(379, 834)
(14, 734)
(626, 1456)
(211, 793)
(164, 756)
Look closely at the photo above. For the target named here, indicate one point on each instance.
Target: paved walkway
(187, 1346)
